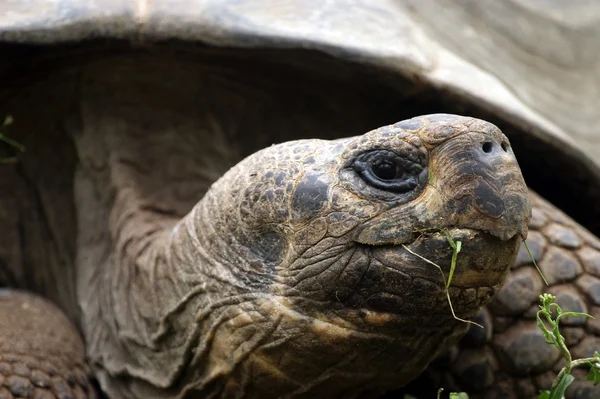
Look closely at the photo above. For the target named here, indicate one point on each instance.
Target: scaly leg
(42, 355)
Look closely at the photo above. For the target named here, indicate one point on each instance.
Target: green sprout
(548, 319)
(550, 328)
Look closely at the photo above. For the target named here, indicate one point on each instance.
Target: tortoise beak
(478, 175)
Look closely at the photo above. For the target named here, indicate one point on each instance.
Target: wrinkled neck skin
(172, 306)
(219, 304)
(271, 298)
(281, 280)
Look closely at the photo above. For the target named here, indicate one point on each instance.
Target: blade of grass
(535, 263)
(456, 246)
(445, 283)
(12, 142)
(8, 161)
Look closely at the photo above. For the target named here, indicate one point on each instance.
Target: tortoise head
(333, 236)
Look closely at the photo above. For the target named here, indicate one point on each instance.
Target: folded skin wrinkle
(302, 244)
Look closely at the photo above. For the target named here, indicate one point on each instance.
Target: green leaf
(459, 395)
(450, 240)
(548, 336)
(558, 392)
(594, 374)
(456, 249)
(12, 143)
(556, 308)
(7, 161)
(574, 314)
(544, 395)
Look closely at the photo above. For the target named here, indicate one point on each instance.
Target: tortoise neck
(151, 135)
(145, 161)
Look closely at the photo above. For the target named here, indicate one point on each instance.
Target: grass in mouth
(535, 263)
(456, 247)
(549, 314)
(548, 319)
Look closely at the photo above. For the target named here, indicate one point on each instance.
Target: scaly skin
(41, 354)
(307, 292)
(121, 148)
(288, 277)
(509, 358)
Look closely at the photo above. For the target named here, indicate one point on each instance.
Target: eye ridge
(386, 170)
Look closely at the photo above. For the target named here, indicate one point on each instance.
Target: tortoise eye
(386, 170)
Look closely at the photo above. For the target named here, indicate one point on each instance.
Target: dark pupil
(385, 170)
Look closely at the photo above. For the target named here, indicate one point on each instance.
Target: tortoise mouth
(410, 282)
(482, 260)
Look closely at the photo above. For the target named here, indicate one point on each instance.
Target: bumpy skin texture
(145, 136)
(287, 277)
(143, 161)
(41, 353)
(150, 311)
(509, 357)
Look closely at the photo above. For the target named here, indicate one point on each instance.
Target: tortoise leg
(42, 355)
(509, 358)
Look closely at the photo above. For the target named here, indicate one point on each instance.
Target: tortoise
(156, 245)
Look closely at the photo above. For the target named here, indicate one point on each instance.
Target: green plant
(453, 395)
(548, 319)
(3, 138)
(456, 246)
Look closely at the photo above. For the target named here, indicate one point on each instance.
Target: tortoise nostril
(504, 146)
(487, 147)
